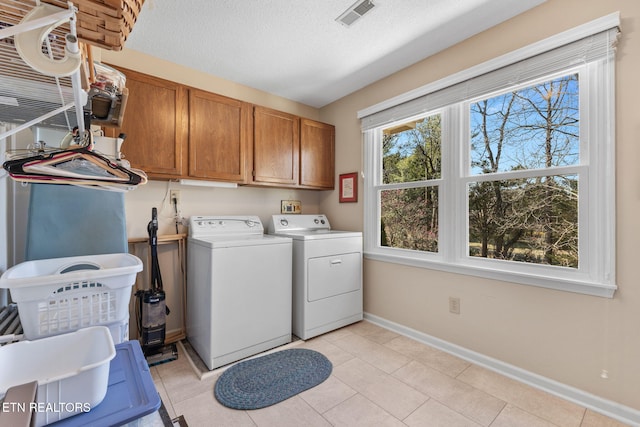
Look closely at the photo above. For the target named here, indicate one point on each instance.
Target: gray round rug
(269, 379)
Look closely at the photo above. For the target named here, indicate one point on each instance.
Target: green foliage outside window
(531, 218)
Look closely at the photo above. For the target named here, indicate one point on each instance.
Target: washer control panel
(215, 225)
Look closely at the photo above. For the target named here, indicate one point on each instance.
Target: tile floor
(380, 378)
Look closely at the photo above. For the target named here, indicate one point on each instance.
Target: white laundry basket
(72, 371)
(61, 295)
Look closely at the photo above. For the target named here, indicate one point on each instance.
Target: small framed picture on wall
(349, 187)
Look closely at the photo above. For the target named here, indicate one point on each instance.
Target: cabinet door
(155, 124)
(276, 144)
(219, 132)
(317, 163)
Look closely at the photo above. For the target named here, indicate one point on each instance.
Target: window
(411, 159)
(505, 171)
(520, 206)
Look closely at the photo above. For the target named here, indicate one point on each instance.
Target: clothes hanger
(62, 164)
(91, 169)
(112, 186)
(59, 165)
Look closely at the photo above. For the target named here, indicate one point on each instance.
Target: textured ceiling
(296, 49)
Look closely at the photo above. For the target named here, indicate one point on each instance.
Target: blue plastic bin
(131, 393)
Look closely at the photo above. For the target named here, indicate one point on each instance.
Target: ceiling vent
(355, 12)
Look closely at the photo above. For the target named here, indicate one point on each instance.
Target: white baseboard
(606, 407)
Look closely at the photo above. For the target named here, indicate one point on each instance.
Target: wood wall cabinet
(290, 151)
(155, 122)
(317, 158)
(276, 146)
(219, 136)
(175, 131)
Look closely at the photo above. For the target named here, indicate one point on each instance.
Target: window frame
(595, 274)
(425, 183)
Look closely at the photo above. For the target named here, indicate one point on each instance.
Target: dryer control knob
(284, 222)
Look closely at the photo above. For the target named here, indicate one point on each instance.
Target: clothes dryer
(327, 273)
(238, 288)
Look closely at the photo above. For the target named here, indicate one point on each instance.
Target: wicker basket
(104, 23)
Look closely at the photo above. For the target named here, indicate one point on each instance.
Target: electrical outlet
(454, 305)
(290, 206)
(174, 197)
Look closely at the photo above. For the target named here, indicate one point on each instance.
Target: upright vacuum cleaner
(152, 308)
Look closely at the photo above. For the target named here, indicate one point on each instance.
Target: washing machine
(239, 288)
(327, 273)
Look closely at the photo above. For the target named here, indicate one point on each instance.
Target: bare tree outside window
(529, 219)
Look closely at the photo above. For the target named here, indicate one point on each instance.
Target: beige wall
(200, 200)
(133, 60)
(566, 337)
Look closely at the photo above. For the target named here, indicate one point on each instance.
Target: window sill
(559, 284)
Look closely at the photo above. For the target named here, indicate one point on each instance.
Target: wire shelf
(25, 93)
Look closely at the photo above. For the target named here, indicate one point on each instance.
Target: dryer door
(333, 275)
